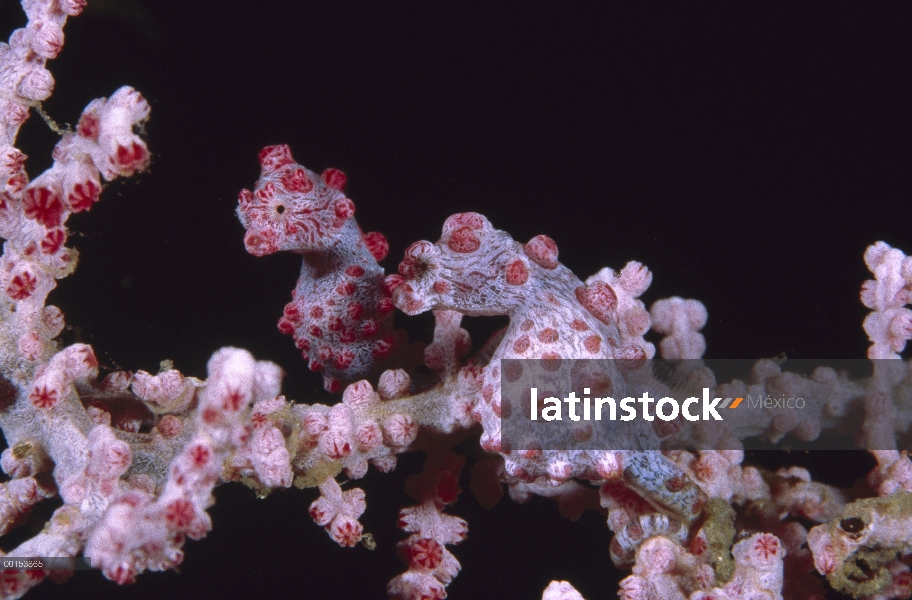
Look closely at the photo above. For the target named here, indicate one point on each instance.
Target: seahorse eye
(852, 525)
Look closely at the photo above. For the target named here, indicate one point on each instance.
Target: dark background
(746, 153)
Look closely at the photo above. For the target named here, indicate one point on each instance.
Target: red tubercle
(292, 311)
(273, 158)
(549, 335)
(285, 326)
(245, 199)
(376, 244)
(84, 195)
(516, 272)
(314, 424)
(344, 209)
(579, 325)
(261, 243)
(599, 299)
(434, 357)
(334, 323)
(347, 336)
(521, 344)
(53, 240)
(21, 286)
(199, 455)
(464, 240)
(335, 445)
(631, 358)
(593, 343)
(15, 184)
(325, 354)
(359, 395)
(132, 158)
(471, 220)
(383, 347)
(13, 159)
(369, 437)
(10, 582)
(86, 356)
(400, 430)
(634, 531)
(315, 331)
(316, 312)
(494, 445)
(117, 381)
(706, 469)
(346, 288)
(321, 512)
(344, 359)
(354, 311)
(179, 514)
(346, 531)
(385, 306)
(560, 471)
(368, 328)
(334, 178)
(441, 286)
(88, 126)
(424, 553)
(487, 392)
(391, 282)
(53, 47)
(43, 397)
(766, 546)
(542, 250)
(354, 270)
(43, 205)
(36, 575)
(265, 193)
(210, 415)
(121, 574)
(531, 453)
(233, 400)
(297, 180)
(675, 483)
(169, 426)
(512, 371)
